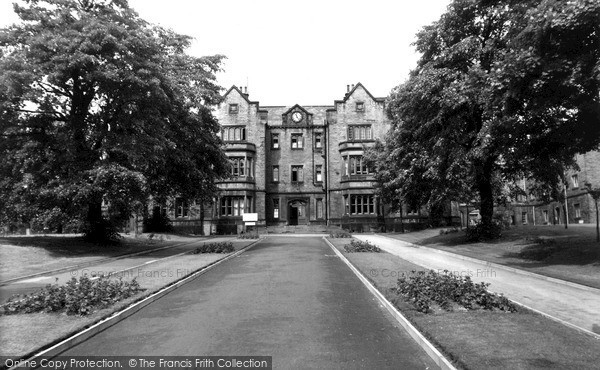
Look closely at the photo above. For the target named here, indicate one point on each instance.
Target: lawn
(570, 254)
(24, 255)
(483, 339)
(25, 333)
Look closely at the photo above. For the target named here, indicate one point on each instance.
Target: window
(524, 218)
(319, 173)
(575, 180)
(360, 106)
(577, 208)
(275, 173)
(233, 206)
(545, 215)
(181, 208)
(297, 174)
(275, 208)
(233, 133)
(319, 208)
(362, 204)
(345, 169)
(362, 132)
(241, 166)
(233, 109)
(318, 140)
(358, 166)
(346, 205)
(297, 141)
(275, 141)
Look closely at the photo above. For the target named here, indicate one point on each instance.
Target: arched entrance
(297, 212)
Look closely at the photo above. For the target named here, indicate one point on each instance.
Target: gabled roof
(245, 96)
(348, 94)
(295, 107)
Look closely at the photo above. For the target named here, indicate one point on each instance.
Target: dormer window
(233, 109)
(360, 106)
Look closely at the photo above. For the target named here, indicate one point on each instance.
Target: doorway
(297, 212)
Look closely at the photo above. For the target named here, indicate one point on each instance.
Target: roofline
(352, 91)
(245, 96)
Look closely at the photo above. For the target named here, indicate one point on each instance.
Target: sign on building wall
(250, 217)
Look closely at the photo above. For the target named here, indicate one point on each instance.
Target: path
(579, 307)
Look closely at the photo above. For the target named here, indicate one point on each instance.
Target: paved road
(579, 307)
(290, 298)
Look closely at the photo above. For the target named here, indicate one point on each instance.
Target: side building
(581, 207)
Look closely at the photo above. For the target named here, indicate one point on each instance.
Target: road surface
(287, 297)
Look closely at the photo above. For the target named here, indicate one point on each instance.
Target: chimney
(347, 88)
(245, 89)
(352, 86)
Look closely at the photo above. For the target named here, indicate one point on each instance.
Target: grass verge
(482, 339)
(23, 334)
(20, 255)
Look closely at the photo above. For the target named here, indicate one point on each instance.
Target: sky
(296, 52)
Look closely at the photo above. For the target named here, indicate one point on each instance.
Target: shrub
(248, 236)
(76, 297)
(448, 231)
(222, 247)
(157, 223)
(340, 234)
(481, 232)
(360, 246)
(424, 289)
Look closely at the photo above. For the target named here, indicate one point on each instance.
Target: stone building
(298, 165)
(525, 209)
(581, 208)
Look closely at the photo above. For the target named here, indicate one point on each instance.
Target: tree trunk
(96, 229)
(597, 222)
(486, 209)
(486, 195)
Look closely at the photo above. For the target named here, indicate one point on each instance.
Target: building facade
(299, 165)
(581, 207)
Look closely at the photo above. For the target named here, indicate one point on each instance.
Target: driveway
(287, 297)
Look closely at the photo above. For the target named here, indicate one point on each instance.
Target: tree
(595, 194)
(475, 113)
(100, 110)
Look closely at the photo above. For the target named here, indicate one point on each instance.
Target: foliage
(249, 236)
(482, 231)
(424, 289)
(360, 246)
(503, 90)
(100, 110)
(76, 297)
(448, 231)
(340, 234)
(216, 247)
(159, 222)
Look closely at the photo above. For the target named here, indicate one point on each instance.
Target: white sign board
(250, 217)
(250, 223)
